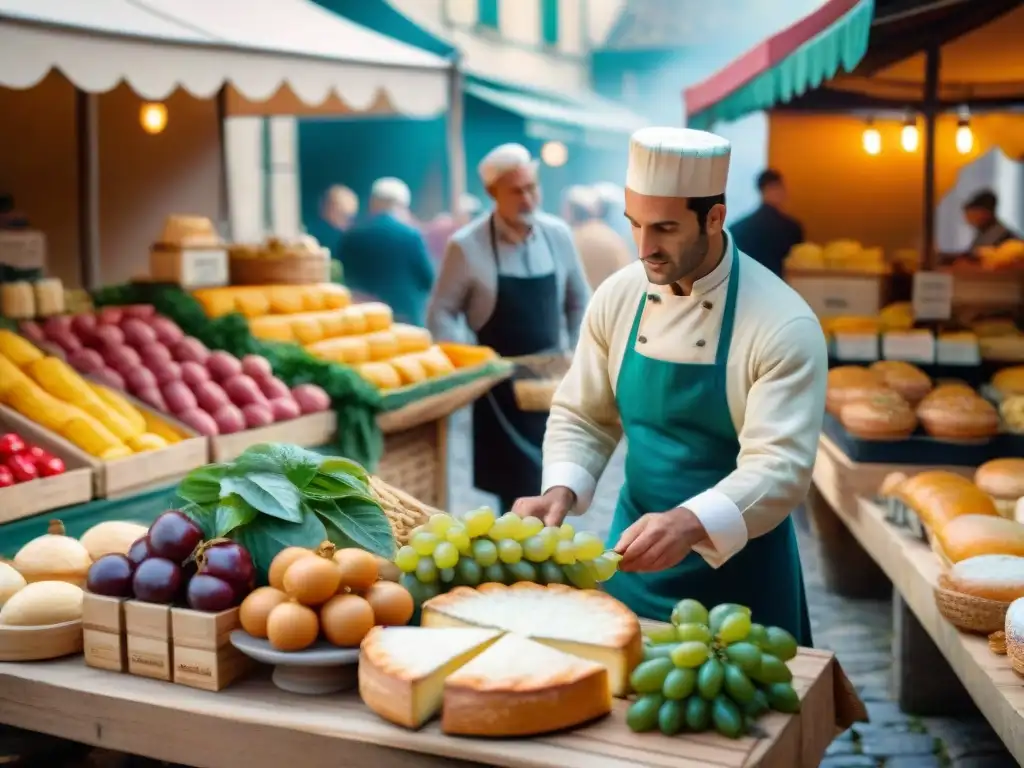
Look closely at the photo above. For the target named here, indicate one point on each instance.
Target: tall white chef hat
(677, 162)
(391, 190)
(502, 159)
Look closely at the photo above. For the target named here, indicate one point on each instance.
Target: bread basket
(402, 510)
(967, 612)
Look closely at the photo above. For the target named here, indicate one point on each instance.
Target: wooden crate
(147, 629)
(202, 653)
(189, 267)
(310, 431)
(104, 632)
(830, 293)
(416, 461)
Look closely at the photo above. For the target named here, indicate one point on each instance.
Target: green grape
(658, 651)
(612, 557)
(662, 633)
(420, 591)
(440, 522)
(757, 705)
(779, 643)
(719, 612)
(550, 573)
(698, 632)
(537, 549)
(689, 612)
(726, 717)
(503, 527)
(745, 655)
(418, 530)
(782, 698)
(426, 570)
(532, 526)
(485, 552)
(446, 575)
(495, 574)
(698, 714)
(446, 555)
(735, 627)
(550, 532)
(772, 670)
(424, 543)
(580, 576)
(642, 714)
(604, 568)
(522, 571)
(758, 635)
(710, 678)
(566, 532)
(478, 521)
(587, 546)
(738, 685)
(510, 551)
(690, 655)
(516, 527)
(458, 536)
(468, 572)
(679, 683)
(406, 559)
(649, 676)
(671, 718)
(565, 553)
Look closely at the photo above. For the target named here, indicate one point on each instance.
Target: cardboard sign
(933, 296)
(856, 347)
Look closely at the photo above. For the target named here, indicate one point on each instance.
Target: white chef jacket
(775, 387)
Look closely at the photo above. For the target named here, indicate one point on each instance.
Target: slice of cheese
(518, 687)
(585, 623)
(402, 669)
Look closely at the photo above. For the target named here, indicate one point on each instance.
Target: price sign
(856, 347)
(911, 347)
(933, 296)
(204, 268)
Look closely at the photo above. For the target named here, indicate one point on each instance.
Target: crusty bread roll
(1009, 381)
(882, 416)
(959, 418)
(909, 380)
(973, 535)
(992, 577)
(948, 389)
(1003, 480)
(937, 497)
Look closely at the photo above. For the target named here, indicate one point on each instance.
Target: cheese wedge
(585, 623)
(402, 669)
(518, 687)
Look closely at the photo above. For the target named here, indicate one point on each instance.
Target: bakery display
(848, 383)
(991, 577)
(937, 497)
(1003, 480)
(906, 379)
(959, 418)
(971, 535)
(883, 415)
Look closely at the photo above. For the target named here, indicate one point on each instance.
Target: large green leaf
(233, 512)
(265, 536)
(295, 463)
(270, 494)
(202, 485)
(336, 487)
(341, 468)
(365, 524)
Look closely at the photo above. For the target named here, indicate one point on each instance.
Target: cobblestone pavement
(858, 631)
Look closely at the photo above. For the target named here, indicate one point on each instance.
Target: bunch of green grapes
(711, 669)
(479, 547)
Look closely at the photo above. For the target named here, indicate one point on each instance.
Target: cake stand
(320, 669)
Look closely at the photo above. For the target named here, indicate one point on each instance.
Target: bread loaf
(1009, 381)
(973, 535)
(992, 577)
(937, 497)
(906, 379)
(884, 415)
(959, 418)
(1003, 480)
(847, 383)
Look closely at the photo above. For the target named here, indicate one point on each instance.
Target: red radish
(193, 373)
(152, 398)
(140, 380)
(190, 348)
(155, 354)
(110, 315)
(166, 330)
(137, 332)
(66, 341)
(223, 366)
(32, 331)
(311, 398)
(211, 397)
(122, 359)
(229, 419)
(110, 377)
(107, 336)
(167, 372)
(285, 408)
(139, 311)
(58, 325)
(83, 325)
(257, 415)
(243, 391)
(256, 367)
(274, 388)
(179, 397)
(86, 360)
(200, 421)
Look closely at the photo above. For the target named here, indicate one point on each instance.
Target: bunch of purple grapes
(171, 564)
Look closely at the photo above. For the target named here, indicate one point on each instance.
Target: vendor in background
(384, 258)
(339, 207)
(515, 278)
(440, 229)
(612, 199)
(768, 234)
(602, 251)
(980, 213)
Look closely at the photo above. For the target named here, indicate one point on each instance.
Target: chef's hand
(552, 507)
(659, 540)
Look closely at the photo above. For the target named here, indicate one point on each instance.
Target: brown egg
(346, 620)
(292, 627)
(256, 608)
(391, 603)
(312, 580)
(280, 564)
(358, 568)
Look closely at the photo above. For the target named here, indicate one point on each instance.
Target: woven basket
(536, 379)
(997, 643)
(969, 613)
(1016, 664)
(402, 510)
(284, 269)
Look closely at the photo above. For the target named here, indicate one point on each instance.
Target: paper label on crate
(859, 347)
(957, 353)
(204, 268)
(933, 296)
(909, 347)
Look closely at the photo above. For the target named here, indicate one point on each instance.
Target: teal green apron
(681, 441)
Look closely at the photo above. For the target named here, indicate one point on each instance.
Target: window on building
(549, 21)
(487, 13)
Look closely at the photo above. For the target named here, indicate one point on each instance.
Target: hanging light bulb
(909, 136)
(153, 117)
(872, 139)
(964, 135)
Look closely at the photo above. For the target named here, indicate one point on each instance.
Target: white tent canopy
(256, 46)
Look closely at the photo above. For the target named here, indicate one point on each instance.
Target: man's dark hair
(702, 207)
(984, 200)
(767, 178)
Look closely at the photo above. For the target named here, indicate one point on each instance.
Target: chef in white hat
(714, 371)
(514, 277)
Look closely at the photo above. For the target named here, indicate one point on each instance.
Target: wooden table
(996, 690)
(256, 725)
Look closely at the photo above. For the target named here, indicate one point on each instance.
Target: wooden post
(87, 137)
(933, 63)
(455, 138)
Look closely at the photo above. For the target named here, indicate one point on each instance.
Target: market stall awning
(256, 46)
(586, 119)
(800, 57)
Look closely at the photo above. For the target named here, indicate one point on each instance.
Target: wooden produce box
(201, 652)
(23, 249)
(831, 292)
(310, 431)
(189, 267)
(103, 626)
(416, 460)
(148, 632)
(44, 494)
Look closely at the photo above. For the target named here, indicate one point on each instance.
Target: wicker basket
(536, 379)
(997, 643)
(969, 613)
(415, 460)
(247, 268)
(402, 510)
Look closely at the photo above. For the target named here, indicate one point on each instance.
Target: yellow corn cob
(121, 406)
(251, 302)
(216, 301)
(117, 452)
(121, 428)
(272, 328)
(147, 441)
(32, 402)
(19, 351)
(161, 428)
(11, 376)
(285, 299)
(91, 436)
(62, 381)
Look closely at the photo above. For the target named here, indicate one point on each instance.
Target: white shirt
(775, 387)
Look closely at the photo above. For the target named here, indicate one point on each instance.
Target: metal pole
(223, 198)
(933, 63)
(88, 151)
(455, 137)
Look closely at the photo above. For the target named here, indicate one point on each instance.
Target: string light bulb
(872, 139)
(909, 136)
(153, 117)
(964, 135)
(554, 154)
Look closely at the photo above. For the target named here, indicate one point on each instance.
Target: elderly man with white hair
(514, 277)
(601, 250)
(385, 258)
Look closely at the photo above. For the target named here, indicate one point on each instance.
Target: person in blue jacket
(385, 258)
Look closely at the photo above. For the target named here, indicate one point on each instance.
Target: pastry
(879, 416)
(944, 389)
(1003, 480)
(959, 418)
(992, 577)
(1009, 381)
(906, 379)
(835, 399)
(1011, 409)
(891, 484)
(937, 497)
(972, 535)
(584, 623)
(847, 383)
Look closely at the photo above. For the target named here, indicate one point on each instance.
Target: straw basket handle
(403, 511)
